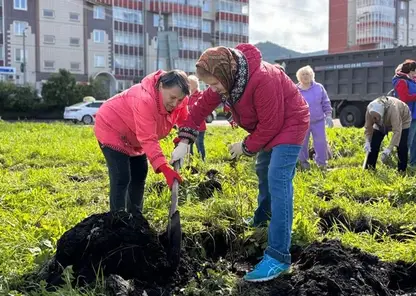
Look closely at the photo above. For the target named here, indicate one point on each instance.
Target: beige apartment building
(113, 39)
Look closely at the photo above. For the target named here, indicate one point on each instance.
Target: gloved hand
(236, 150)
(367, 146)
(179, 153)
(385, 154)
(329, 122)
(170, 175)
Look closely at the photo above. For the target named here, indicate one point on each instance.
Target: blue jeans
(199, 145)
(275, 170)
(411, 143)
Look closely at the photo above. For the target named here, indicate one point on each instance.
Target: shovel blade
(175, 240)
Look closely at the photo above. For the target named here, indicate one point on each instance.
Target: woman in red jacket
(268, 105)
(196, 94)
(128, 128)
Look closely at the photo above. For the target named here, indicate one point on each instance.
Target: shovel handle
(175, 189)
(365, 160)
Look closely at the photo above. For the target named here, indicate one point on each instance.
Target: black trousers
(127, 180)
(402, 150)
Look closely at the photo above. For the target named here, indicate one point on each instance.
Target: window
(412, 12)
(48, 13)
(49, 64)
(1, 52)
(94, 105)
(49, 39)
(234, 28)
(401, 20)
(128, 15)
(190, 43)
(411, 41)
(98, 36)
(128, 38)
(186, 21)
(20, 4)
(196, 3)
(19, 27)
(156, 20)
(244, 9)
(401, 36)
(73, 16)
(412, 27)
(74, 41)
(99, 61)
(206, 27)
(207, 5)
(402, 5)
(75, 66)
(128, 62)
(99, 12)
(18, 55)
(230, 6)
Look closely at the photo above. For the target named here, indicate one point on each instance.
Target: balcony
(373, 40)
(99, 2)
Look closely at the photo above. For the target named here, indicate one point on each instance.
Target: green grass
(39, 201)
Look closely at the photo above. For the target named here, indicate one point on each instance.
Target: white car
(82, 112)
(210, 118)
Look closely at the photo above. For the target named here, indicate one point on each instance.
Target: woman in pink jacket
(268, 105)
(128, 128)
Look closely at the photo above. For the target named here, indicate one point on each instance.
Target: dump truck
(353, 79)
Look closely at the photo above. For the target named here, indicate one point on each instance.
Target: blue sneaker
(266, 270)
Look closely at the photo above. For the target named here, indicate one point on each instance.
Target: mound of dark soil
(206, 189)
(212, 173)
(118, 244)
(192, 169)
(337, 216)
(328, 268)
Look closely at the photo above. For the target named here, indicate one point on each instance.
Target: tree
(17, 98)
(61, 90)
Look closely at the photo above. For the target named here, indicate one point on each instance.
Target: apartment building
(370, 24)
(113, 39)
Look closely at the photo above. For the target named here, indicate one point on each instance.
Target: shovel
(365, 159)
(174, 229)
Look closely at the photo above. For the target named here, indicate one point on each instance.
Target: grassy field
(52, 176)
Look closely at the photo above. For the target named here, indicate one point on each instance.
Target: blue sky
(299, 25)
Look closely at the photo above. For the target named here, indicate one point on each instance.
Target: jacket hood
(253, 56)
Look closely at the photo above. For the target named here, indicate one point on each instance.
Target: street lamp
(23, 66)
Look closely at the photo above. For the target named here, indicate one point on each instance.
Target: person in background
(386, 114)
(196, 95)
(128, 128)
(321, 113)
(267, 104)
(405, 89)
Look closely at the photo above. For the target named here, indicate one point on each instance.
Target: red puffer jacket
(193, 101)
(271, 108)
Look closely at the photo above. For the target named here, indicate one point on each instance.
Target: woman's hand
(170, 175)
(329, 122)
(180, 151)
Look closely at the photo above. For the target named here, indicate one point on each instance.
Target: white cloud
(299, 25)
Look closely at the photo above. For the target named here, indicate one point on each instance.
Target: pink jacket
(133, 122)
(193, 100)
(271, 108)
